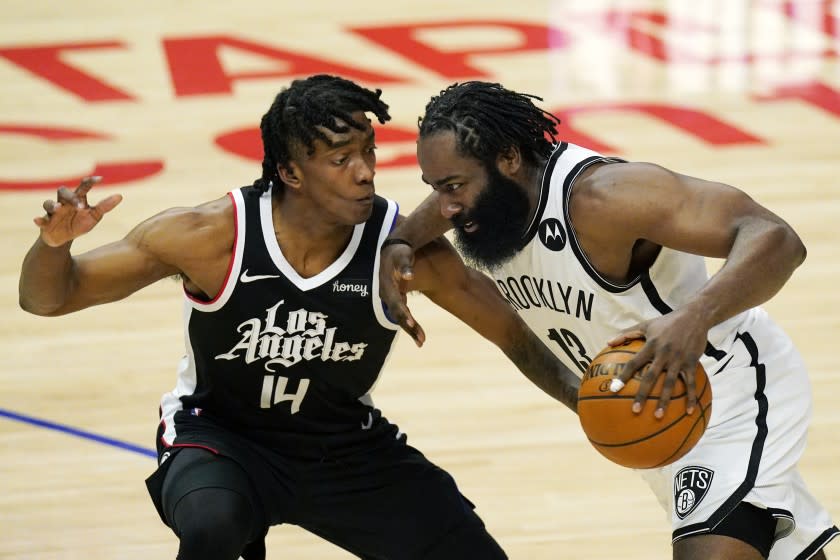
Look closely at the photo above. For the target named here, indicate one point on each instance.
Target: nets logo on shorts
(690, 487)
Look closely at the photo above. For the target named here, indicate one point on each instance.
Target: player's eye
(447, 188)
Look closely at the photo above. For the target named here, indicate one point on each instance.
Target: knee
(205, 537)
(215, 526)
(715, 547)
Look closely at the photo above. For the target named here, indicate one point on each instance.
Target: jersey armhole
(379, 309)
(234, 263)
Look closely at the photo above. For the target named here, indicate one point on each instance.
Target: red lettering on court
(400, 143)
(815, 93)
(112, 172)
(245, 142)
(818, 15)
(691, 121)
(397, 146)
(642, 31)
(404, 40)
(196, 69)
(46, 62)
(633, 29)
(625, 24)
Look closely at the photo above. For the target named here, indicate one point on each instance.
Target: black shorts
(385, 501)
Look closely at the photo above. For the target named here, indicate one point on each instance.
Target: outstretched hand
(673, 346)
(70, 215)
(396, 269)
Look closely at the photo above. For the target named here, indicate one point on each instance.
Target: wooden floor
(163, 98)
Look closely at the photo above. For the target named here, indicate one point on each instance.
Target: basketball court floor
(164, 98)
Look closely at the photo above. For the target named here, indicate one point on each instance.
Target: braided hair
(487, 119)
(297, 111)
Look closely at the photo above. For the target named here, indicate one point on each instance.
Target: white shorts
(761, 408)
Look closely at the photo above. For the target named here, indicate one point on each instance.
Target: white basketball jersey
(563, 298)
(761, 394)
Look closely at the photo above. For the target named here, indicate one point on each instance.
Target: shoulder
(383, 201)
(610, 174)
(612, 204)
(602, 185)
(386, 209)
(211, 217)
(191, 220)
(197, 230)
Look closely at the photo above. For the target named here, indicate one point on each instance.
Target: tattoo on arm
(543, 369)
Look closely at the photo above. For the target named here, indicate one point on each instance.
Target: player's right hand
(70, 215)
(396, 269)
(673, 345)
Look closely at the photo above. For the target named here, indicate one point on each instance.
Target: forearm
(762, 259)
(543, 369)
(473, 297)
(424, 224)
(46, 278)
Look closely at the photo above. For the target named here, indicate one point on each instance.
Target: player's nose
(449, 208)
(364, 171)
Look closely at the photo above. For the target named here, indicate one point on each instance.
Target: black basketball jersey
(281, 358)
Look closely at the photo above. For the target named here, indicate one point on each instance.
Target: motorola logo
(552, 234)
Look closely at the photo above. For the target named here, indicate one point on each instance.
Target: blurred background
(164, 99)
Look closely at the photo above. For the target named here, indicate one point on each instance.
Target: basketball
(639, 441)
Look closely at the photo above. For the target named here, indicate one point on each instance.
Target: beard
(501, 212)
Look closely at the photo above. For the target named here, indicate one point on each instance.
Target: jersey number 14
(274, 391)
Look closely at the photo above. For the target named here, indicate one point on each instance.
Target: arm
(425, 224)
(643, 201)
(472, 297)
(646, 202)
(54, 282)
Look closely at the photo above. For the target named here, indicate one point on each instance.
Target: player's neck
(308, 241)
(531, 179)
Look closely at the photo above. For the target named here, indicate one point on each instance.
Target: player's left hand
(396, 269)
(70, 215)
(673, 346)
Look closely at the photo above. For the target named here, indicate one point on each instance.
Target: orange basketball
(639, 441)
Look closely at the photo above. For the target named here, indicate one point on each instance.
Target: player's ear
(509, 161)
(290, 174)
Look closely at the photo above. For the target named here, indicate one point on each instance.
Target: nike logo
(245, 278)
(723, 366)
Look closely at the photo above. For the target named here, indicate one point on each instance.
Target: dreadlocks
(294, 117)
(487, 119)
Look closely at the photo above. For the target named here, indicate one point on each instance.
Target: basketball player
(271, 420)
(585, 246)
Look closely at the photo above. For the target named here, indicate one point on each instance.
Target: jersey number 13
(572, 347)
